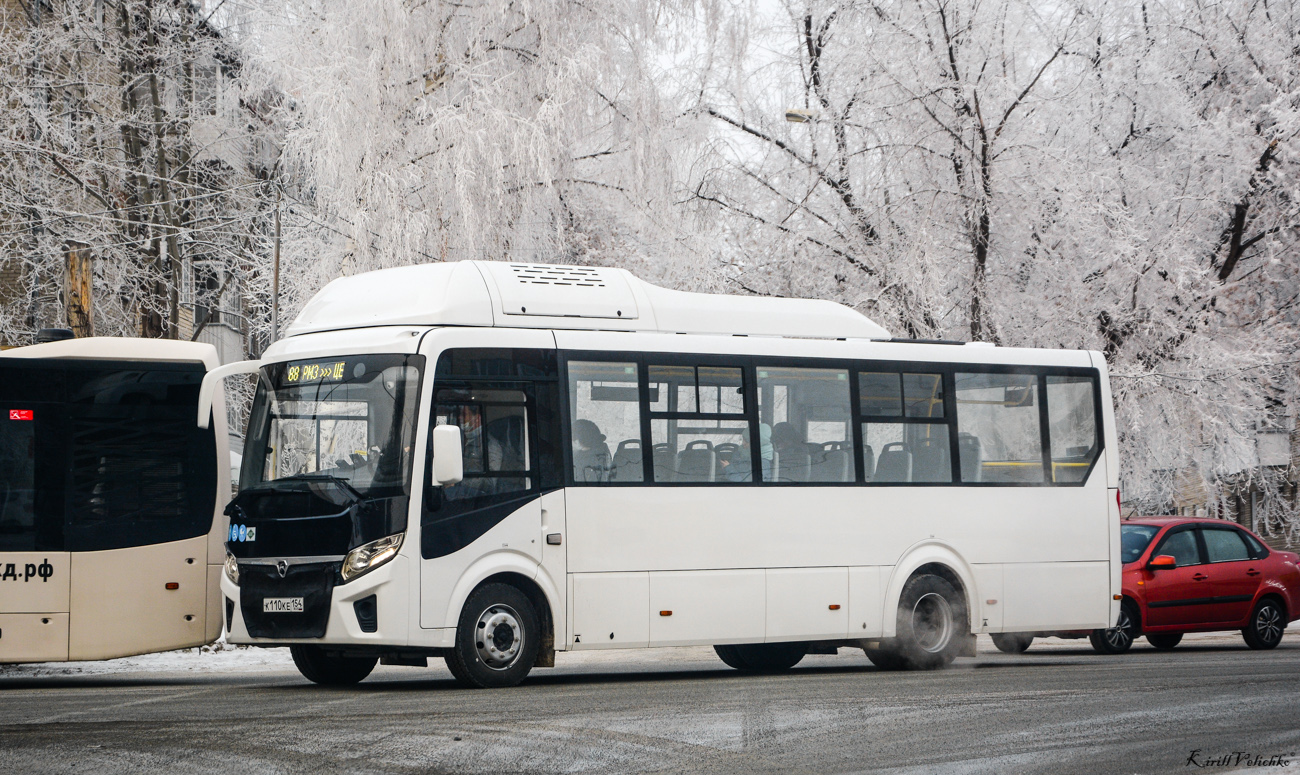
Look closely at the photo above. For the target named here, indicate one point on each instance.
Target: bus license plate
(282, 605)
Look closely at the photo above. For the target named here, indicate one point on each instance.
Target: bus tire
(320, 668)
(730, 658)
(931, 618)
(1012, 642)
(1264, 629)
(1164, 640)
(1118, 639)
(885, 659)
(770, 657)
(497, 638)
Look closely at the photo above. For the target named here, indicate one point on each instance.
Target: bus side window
(697, 424)
(998, 420)
(1072, 427)
(605, 422)
(494, 442)
(810, 414)
(904, 431)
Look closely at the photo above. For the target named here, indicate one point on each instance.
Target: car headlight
(366, 558)
(232, 569)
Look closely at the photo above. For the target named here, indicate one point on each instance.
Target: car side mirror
(1162, 562)
(448, 465)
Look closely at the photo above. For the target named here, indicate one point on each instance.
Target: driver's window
(495, 444)
(1182, 547)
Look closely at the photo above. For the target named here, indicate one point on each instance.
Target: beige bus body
(87, 605)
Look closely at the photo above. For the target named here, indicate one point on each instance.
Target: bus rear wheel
(497, 638)
(320, 668)
(1012, 642)
(931, 621)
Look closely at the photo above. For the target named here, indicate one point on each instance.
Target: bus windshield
(348, 419)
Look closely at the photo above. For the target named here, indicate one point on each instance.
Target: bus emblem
(282, 567)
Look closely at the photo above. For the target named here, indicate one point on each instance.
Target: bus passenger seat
(663, 459)
(970, 453)
(698, 462)
(932, 462)
(626, 466)
(895, 463)
(831, 462)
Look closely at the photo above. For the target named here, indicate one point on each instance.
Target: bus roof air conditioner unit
(527, 295)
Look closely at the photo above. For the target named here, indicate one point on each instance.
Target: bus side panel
(1056, 596)
(121, 604)
(611, 610)
(707, 606)
(34, 582)
(33, 638)
(807, 603)
(34, 607)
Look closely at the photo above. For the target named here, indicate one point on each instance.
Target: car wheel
(497, 638)
(729, 656)
(1012, 643)
(319, 668)
(1164, 640)
(931, 618)
(1117, 639)
(1266, 625)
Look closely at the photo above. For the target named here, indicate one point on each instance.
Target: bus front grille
(313, 582)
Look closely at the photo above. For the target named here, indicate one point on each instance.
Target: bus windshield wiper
(323, 477)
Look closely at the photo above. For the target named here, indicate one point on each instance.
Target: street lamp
(799, 115)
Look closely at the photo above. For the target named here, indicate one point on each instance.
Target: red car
(1193, 575)
(1200, 575)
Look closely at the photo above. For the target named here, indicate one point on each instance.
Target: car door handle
(1252, 572)
(1199, 577)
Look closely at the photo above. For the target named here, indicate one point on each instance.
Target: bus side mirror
(1162, 562)
(448, 466)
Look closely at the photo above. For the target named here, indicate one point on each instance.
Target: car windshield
(1133, 541)
(350, 419)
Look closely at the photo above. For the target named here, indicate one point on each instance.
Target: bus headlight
(232, 569)
(364, 559)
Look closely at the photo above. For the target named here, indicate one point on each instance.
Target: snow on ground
(221, 657)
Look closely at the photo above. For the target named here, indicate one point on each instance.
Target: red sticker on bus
(21, 414)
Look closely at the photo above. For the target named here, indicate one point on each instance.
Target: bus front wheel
(318, 667)
(497, 639)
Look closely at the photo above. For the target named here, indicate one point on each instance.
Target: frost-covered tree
(1102, 175)
(131, 170)
(434, 131)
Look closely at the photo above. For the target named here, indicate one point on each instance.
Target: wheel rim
(1120, 636)
(499, 637)
(1268, 624)
(932, 622)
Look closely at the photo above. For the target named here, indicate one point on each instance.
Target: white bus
(111, 529)
(491, 462)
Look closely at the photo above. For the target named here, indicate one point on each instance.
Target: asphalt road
(1056, 708)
